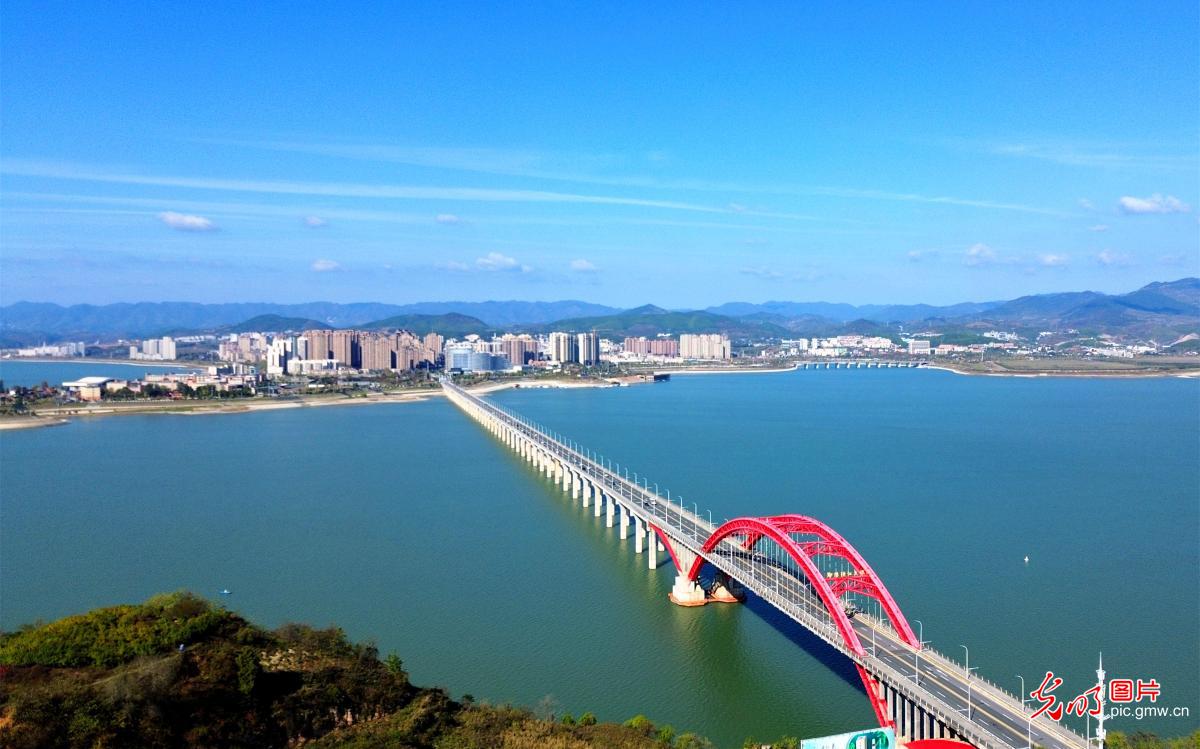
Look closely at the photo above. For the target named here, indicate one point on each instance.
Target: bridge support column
(624, 532)
(686, 592)
(589, 487)
(576, 483)
(566, 476)
(639, 535)
(651, 548)
(609, 512)
(600, 498)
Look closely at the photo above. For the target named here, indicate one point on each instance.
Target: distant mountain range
(1167, 309)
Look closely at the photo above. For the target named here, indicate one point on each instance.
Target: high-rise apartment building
(344, 344)
(653, 347)
(704, 346)
(518, 349)
(320, 344)
(564, 348)
(588, 346)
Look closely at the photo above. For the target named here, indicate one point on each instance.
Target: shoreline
(701, 370)
(1075, 374)
(174, 364)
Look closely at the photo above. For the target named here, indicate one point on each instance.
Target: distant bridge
(800, 566)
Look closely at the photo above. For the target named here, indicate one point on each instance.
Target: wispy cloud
(1053, 260)
(447, 218)
(533, 164)
(315, 222)
(1098, 228)
(1156, 203)
(917, 256)
(1086, 204)
(979, 254)
(495, 261)
(583, 266)
(325, 266)
(1107, 156)
(186, 221)
(344, 190)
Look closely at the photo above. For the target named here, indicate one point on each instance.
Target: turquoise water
(30, 373)
(409, 525)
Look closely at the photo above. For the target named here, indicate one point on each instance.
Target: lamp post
(968, 694)
(967, 666)
(1022, 678)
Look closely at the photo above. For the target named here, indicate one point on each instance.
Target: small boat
(1026, 559)
(225, 591)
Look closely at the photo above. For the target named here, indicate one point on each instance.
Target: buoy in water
(1026, 559)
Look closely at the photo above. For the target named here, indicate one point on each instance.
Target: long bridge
(803, 568)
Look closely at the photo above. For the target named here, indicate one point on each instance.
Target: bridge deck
(927, 678)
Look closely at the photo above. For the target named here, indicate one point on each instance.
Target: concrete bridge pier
(600, 499)
(609, 512)
(576, 483)
(652, 548)
(624, 525)
(639, 535)
(589, 487)
(685, 592)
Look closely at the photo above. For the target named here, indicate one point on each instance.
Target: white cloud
(1115, 259)
(325, 266)
(737, 207)
(455, 266)
(1086, 204)
(1156, 203)
(916, 256)
(447, 218)
(979, 254)
(315, 222)
(186, 222)
(583, 266)
(1098, 227)
(1051, 260)
(31, 168)
(495, 261)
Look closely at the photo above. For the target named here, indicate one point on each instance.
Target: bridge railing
(675, 518)
(996, 691)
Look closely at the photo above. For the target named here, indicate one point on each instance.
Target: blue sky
(683, 154)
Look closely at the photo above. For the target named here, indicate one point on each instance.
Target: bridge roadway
(997, 719)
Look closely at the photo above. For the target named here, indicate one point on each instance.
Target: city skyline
(620, 157)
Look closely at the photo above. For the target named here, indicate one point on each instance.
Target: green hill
(650, 320)
(276, 324)
(450, 325)
(177, 671)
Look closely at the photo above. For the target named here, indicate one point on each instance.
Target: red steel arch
(754, 529)
(862, 580)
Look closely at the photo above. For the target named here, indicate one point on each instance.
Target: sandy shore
(1107, 375)
(28, 422)
(539, 385)
(729, 370)
(202, 408)
(82, 361)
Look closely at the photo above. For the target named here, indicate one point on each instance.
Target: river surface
(408, 525)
